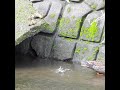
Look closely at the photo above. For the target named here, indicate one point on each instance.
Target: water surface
(39, 74)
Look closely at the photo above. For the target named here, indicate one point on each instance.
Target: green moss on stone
(83, 50)
(52, 15)
(64, 21)
(90, 32)
(23, 10)
(77, 50)
(93, 6)
(93, 54)
(72, 33)
(87, 42)
(73, 17)
(77, 24)
(54, 46)
(68, 9)
(90, 58)
(69, 39)
(46, 26)
(62, 33)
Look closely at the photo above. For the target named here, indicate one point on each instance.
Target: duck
(97, 66)
(61, 70)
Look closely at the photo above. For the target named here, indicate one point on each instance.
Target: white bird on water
(61, 70)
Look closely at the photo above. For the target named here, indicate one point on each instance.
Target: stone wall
(77, 30)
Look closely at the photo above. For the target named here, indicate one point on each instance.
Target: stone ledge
(23, 10)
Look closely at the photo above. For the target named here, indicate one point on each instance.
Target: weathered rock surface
(95, 4)
(42, 45)
(52, 17)
(92, 27)
(70, 23)
(103, 37)
(42, 8)
(101, 53)
(85, 51)
(63, 49)
(23, 10)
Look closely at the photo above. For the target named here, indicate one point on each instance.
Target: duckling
(97, 66)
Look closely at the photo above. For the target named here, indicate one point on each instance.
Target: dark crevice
(67, 37)
(91, 41)
(77, 1)
(50, 56)
(74, 50)
(32, 52)
(36, 1)
(47, 10)
(102, 34)
(67, 60)
(101, 9)
(96, 54)
(45, 34)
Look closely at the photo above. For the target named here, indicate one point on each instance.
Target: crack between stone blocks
(102, 35)
(96, 55)
(101, 9)
(77, 1)
(48, 10)
(74, 50)
(31, 49)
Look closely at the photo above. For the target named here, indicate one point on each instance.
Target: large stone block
(42, 8)
(63, 49)
(42, 45)
(70, 22)
(36, 0)
(93, 26)
(85, 51)
(52, 17)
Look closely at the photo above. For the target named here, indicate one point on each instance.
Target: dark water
(38, 74)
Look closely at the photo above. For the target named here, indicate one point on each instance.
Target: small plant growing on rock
(68, 9)
(52, 15)
(94, 6)
(77, 50)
